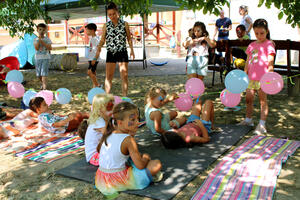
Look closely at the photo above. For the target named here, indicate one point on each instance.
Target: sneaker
(260, 129)
(158, 177)
(244, 123)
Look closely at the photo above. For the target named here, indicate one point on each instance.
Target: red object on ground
(11, 62)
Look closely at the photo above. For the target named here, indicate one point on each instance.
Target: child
(116, 172)
(196, 130)
(19, 122)
(260, 60)
(42, 46)
(94, 41)
(239, 52)
(54, 123)
(184, 44)
(198, 58)
(102, 104)
(156, 121)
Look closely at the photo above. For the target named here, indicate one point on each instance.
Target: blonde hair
(154, 92)
(99, 107)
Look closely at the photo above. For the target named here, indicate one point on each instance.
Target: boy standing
(42, 46)
(94, 41)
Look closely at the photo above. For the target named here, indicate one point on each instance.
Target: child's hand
(146, 156)
(172, 97)
(173, 124)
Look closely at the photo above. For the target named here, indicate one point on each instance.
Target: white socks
(248, 120)
(262, 122)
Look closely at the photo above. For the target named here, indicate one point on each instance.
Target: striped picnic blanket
(54, 150)
(248, 172)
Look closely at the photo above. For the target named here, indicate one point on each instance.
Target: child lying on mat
(196, 129)
(54, 123)
(121, 165)
(92, 129)
(19, 122)
(157, 121)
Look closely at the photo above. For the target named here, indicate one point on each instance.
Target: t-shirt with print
(94, 41)
(47, 120)
(258, 58)
(42, 53)
(221, 24)
(92, 138)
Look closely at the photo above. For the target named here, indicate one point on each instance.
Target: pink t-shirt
(258, 58)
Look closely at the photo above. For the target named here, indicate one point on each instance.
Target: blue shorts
(42, 67)
(142, 177)
(197, 65)
(207, 124)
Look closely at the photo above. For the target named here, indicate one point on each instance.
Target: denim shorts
(197, 65)
(42, 67)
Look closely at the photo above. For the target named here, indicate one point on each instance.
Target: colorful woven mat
(54, 150)
(248, 172)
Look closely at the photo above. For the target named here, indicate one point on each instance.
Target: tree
(18, 16)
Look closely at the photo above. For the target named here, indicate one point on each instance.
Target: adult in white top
(246, 19)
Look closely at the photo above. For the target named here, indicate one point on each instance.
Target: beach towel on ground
(54, 150)
(248, 172)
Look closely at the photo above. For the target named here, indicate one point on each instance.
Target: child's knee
(173, 114)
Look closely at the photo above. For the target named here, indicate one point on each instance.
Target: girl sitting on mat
(19, 122)
(54, 123)
(196, 130)
(102, 105)
(122, 166)
(157, 121)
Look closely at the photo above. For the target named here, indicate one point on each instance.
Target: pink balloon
(47, 95)
(194, 86)
(271, 83)
(230, 99)
(184, 102)
(117, 100)
(15, 89)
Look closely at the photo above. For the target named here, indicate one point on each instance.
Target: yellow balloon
(239, 63)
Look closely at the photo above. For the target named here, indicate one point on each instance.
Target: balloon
(271, 83)
(15, 89)
(47, 95)
(14, 75)
(194, 86)
(117, 100)
(30, 94)
(230, 99)
(127, 99)
(184, 102)
(236, 81)
(93, 92)
(63, 95)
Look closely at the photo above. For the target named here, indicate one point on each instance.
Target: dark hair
(242, 27)
(41, 25)
(119, 113)
(35, 103)
(82, 128)
(112, 5)
(262, 23)
(91, 26)
(172, 140)
(203, 29)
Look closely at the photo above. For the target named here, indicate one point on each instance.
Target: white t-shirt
(42, 53)
(202, 50)
(92, 138)
(94, 41)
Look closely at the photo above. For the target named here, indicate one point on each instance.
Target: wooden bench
(288, 70)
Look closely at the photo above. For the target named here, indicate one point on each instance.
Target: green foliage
(290, 8)
(17, 16)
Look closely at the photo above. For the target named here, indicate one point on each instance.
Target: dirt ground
(23, 179)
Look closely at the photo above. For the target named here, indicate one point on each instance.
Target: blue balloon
(93, 92)
(28, 95)
(236, 81)
(15, 76)
(63, 95)
(127, 99)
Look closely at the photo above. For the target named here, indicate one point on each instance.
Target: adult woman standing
(246, 19)
(115, 33)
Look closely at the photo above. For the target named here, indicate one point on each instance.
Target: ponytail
(108, 131)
